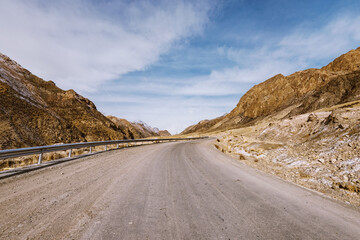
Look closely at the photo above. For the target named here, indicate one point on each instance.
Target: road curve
(178, 190)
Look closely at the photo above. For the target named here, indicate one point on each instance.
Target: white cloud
(84, 46)
(78, 46)
(217, 83)
(333, 39)
(301, 49)
(187, 101)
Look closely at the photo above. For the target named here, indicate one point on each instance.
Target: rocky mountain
(35, 112)
(138, 129)
(304, 128)
(164, 133)
(298, 93)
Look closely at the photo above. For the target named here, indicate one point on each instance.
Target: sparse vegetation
(34, 112)
(310, 150)
(303, 128)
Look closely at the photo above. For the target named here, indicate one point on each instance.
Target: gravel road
(177, 190)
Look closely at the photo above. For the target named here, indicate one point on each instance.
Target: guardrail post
(127, 145)
(117, 146)
(40, 158)
(90, 149)
(70, 152)
(105, 147)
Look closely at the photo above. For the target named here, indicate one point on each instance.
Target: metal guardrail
(11, 153)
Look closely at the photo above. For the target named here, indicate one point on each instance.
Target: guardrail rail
(19, 152)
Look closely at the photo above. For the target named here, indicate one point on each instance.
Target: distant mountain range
(138, 129)
(286, 96)
(35, 112)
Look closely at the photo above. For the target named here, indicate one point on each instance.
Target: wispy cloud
(111, 50)
(337, 37)
(207, 96)
(303, 48)
(78, 46)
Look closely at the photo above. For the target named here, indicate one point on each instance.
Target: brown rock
(35, 112)
(312, 117)
(164, 133)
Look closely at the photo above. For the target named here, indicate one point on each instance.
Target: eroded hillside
(319, 150)
(36, 112)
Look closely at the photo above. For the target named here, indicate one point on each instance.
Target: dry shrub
(29, 160)
(303, 174)
(350, 187)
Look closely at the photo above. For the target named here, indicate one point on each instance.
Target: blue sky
(173, 63)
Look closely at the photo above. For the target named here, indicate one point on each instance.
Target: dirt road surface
(178, 190)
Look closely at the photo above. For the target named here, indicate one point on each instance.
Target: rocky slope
(298, 93)
(138, 129)
(319, 150)
(304, 128)
(164, 133)
(35, 112)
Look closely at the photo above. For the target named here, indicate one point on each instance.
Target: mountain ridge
(303, 91)
(139, 129)
(36, 112)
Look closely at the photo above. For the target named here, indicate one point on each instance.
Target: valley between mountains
(304, 128)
